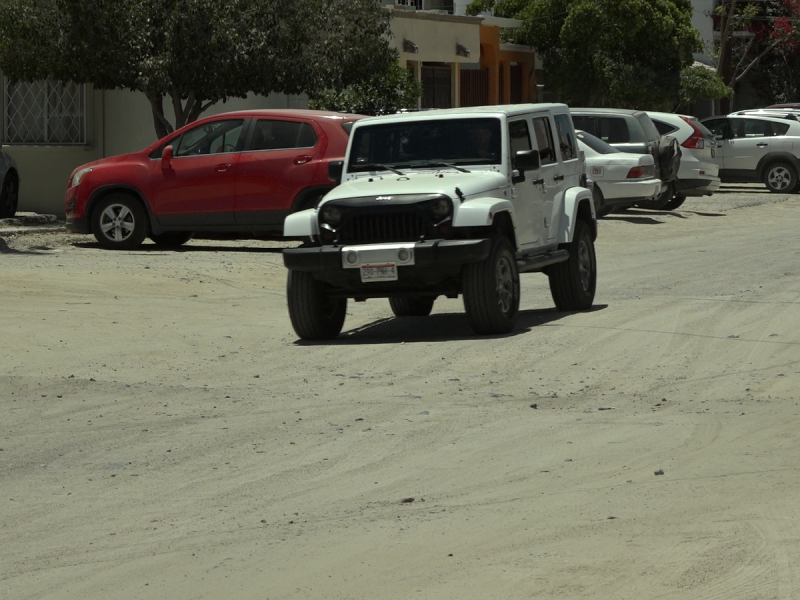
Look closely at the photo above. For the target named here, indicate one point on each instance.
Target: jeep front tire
(314, 314)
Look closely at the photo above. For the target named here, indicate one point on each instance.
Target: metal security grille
(44, 112)
(404, 227)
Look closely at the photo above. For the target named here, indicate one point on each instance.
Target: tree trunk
(162, 126)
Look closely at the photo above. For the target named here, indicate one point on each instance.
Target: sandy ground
(164, 435)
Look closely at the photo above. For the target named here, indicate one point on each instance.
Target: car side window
(779, 128)
(281, 135)
(664, 128)
(544, 140)
(519, 138)
(613, 130)
(215, 137)
(566, 137)
(750, 128)
(719, 127)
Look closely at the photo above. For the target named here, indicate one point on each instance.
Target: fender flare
(301, 224)
(774, 157)
(574, 199)
(480, 212)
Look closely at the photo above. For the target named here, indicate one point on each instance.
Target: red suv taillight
(696, 140)
(637, 173)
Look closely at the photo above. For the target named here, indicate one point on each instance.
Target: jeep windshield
(426, 144)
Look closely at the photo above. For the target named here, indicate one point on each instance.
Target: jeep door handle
(762, 145)
(537, 181)
(558, 178)
(223, 168)
(301, 160)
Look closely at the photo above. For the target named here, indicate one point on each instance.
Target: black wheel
(411, 306)
(9, 197)
(780, 178)
(601, 209)
(660, 201)
(314, 314)
(676, 202)
(171, 239)
(573, 282)
(491, 290)
(119, 222)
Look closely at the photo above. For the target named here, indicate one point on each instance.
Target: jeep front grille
(374, 228)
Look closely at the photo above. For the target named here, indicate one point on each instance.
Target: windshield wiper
(444, 164)
(373, 166)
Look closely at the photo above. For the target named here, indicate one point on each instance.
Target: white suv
(758, 147)
(446, 203)
(698, 174)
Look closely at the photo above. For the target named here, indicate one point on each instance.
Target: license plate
(384, 272)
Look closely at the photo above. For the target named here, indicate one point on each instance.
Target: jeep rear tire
(314, 314)
(491, 290)
(573, 282)
(411, 306)
(780, 178)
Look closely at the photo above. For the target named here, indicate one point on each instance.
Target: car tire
(411, 306)
(119, 222)
(314, 314)
(171, 239)
(661, 201)
(601, 209)
(491, 290)
(780, 178)
(573, 282)
(9, 197)
(676, 202)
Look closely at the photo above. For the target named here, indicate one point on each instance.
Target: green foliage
(621, 53)
(384, 93)
(196, 52)
(701, 83)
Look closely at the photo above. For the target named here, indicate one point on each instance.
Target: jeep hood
(429, 182)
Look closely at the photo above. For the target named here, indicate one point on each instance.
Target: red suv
(234, 172)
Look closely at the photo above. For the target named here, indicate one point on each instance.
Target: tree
(749, 32)
(196, 53)
(700, 82)
(622, 53)
(384, 93)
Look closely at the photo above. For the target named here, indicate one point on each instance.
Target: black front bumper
(426, 255)
(436, 269)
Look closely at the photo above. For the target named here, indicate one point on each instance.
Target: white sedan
(621, 179)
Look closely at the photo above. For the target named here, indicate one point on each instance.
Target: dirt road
(165, 436)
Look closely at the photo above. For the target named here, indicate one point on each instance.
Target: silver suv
(758, 147)
(447, 203)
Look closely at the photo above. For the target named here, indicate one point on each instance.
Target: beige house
(50, 128)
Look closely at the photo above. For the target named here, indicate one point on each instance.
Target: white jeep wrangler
(442, 203)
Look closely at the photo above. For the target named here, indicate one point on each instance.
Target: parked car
(237, 172)
(633, 131)
(698, 174)
(758, 148)
(9, 193)
(621, 179)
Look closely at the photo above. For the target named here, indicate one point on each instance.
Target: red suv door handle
(302, 159)
(223, 168)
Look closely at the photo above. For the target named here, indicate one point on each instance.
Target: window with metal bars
(44, 112)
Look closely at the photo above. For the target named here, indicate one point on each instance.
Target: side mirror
(166, 158)
(335, 168)
(526, 160)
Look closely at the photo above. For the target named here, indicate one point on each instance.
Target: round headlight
(440, 208)
(331, 215)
